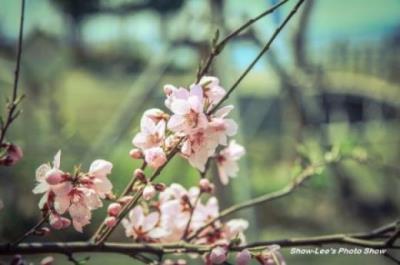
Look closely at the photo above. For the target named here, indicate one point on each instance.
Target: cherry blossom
(155, 157)
(151, 134)
(77, 194)
(143, 227)
(213, 92)
(188, 109)
(227, 161)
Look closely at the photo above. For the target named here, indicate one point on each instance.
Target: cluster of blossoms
(176, 213)
(194, 127)
(77, 193)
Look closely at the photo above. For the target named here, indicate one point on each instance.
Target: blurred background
(328, 87)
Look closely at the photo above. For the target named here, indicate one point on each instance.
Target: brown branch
(262, 52)
(11, 115)
(372, 239)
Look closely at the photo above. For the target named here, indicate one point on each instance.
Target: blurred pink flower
(227, 161)
(141, 226)
(155, 157)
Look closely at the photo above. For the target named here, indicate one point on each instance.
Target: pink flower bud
(149, 192)
(205, 185)
(168, 89)
(54, 176)
(12, 156)
(57, 221)
(139, 174)
(243, 257)
(114, 209)
(124, 200)
(218, 255)
(47, 261)
(136, 154)
(110, 221)
(160, 187)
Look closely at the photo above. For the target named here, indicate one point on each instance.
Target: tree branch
(11, 115)
(372, 239)
(217, 48)
(300, 179)
(262, 52)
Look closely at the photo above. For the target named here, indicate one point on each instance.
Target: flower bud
(114, 209)
(124, 200)
(54, 176)
(49, 260)
(136, 153)
(159, 187)
(12, 156)
(139, 174)
(243, 257)
(206, 186)
(110, 221)
(218, 255)
(56, 222)
(42, 231)
(168, 89)
(149, 192)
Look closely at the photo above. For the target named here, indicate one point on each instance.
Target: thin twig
(30, 231)
(11, 115)
(262, 52)
(220, 45)
(304, 175)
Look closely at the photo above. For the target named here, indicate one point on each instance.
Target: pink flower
(198, 147)
(220, 127)
(44, 172)
(243, 257)
(156, 115)
(13, 153)
(78, 194)
(155, 157)
(218, 255)
(149, 192)
(234, 228)
(151, 135)
(213, 92)
(143, 227)
(227, 161)
(58, 222)
(98, 171)
(188, 109)
(271, 256)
